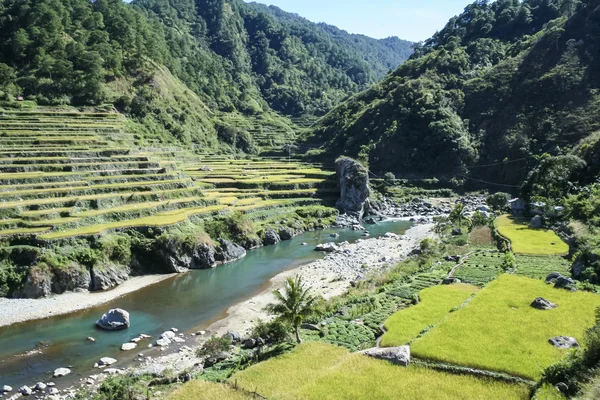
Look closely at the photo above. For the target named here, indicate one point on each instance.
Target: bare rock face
(204, 257)
(114, 320)
(397, 355)
(106, 276)
(271, 238)
(353, 180)
(229, 252)
(542, 304)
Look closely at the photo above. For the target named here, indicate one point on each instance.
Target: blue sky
(408, 19)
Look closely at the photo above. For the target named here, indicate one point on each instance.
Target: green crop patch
(499, 330)
(525, 240)
(538, 267)
(321, 371)
(481, 267)
(436, 303)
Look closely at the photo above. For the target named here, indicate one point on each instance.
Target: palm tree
(294, 305)
(458, 215)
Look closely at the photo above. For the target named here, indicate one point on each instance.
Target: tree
(294, 305)
(498, 201)
(458, 215)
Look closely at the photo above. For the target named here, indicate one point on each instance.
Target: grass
(204, 390)
(321, 371)
(499, 330)
(530, 241)
(436, 303)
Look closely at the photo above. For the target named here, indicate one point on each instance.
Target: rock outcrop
(353, 180)
(203, 257)
(542, 304)
(229, 252)
(106, 276)
(564, 342)
(70, 278)
(271, 238)
(536, 222)
(114, 320)
(397, 355)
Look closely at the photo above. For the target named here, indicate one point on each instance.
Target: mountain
(500, 84)
(221, 57)
(382, 55)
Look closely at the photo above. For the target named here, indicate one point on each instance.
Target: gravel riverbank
(13, 311)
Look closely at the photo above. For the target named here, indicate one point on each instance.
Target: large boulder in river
(229, 252)
(60, 372)
(397, 355)
(327, 247)
(106, 276)
(271, 238)
(353, 180)
(114, 320)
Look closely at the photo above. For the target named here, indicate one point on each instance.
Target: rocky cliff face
(353, 180)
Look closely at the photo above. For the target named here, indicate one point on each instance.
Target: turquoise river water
(189, 302)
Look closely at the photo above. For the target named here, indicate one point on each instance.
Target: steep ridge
(500, 84)
(233, 57)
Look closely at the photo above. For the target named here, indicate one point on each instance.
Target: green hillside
(501, 83)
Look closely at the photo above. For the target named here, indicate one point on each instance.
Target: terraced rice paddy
(69, 173)
(436, 302)
(525, 240)
(322, 371)
(498, 330)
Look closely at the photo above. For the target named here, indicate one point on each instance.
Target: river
(30, 351)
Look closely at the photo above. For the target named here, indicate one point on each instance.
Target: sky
(413, 20)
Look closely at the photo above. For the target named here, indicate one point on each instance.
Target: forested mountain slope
(229, 58)
(502, 82)
(382, 55)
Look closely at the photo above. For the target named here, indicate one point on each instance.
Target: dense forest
(485, 100)
(232, 57)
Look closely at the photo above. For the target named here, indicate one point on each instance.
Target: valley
(219, 199)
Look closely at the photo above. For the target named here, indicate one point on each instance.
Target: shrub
(214, 346)
(273, 332)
